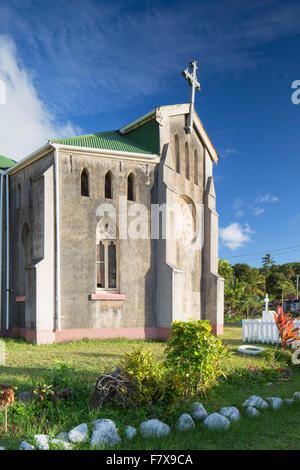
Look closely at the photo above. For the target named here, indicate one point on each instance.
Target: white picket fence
(262, 331)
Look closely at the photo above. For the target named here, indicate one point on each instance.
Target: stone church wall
(31, 247)
(180, 266)
(78, 223)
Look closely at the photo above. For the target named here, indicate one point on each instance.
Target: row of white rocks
(105, 432)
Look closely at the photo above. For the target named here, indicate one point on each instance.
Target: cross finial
(191, 77)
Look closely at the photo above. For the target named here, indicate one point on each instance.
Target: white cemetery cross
(191, 77)
(266, 314)
(266, 300)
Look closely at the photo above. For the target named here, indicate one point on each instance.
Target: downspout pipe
(57, 240)
(1, 229)
(7, 253)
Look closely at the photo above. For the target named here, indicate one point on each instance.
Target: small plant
(288, 334)
(194, 354)
(60, 376)
(43, 391)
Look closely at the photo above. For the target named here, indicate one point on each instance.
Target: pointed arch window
(30, 192)
(177, 154)
(85, 183)
(130, 188)
(187, 161)
(106, 255)
(108, 185)
(196, 167)
(19, 196)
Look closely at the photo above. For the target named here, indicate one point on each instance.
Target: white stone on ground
(185, 422)
(62, 436)
(231, 412)
(79, 434)
(130, 432)
(256, 402)
(154, 428)
(198, 411)
(25, 446)
(289, 401)
(275, 402)
(105, 433)
(61, 443)
(42, 441)
(251, 411)
(297, 395)
(216, 422)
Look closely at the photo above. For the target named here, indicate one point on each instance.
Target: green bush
(145, 372)
(194, 354)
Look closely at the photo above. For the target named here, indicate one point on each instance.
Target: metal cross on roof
(191, 77)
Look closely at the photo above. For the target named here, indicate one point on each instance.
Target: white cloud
(229, 151)
(237, 204)
(235, 235)
(267, 198)
(239, 213)
(25, 121)
(258, 210)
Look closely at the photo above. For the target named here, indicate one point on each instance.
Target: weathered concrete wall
(32, 246)
(179, 264)
(78, 222)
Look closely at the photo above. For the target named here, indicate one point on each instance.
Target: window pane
(130, 195)
(84, 184)
(100, 266)
(108, 189)
(112, 266)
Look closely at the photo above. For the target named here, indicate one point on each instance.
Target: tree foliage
(245, 287)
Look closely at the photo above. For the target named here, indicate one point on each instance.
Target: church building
(87, 233)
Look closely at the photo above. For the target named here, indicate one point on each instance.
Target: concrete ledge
(107, 296)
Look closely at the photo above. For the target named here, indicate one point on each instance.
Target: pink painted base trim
(49, 336)
(108, 296)
(217, 329)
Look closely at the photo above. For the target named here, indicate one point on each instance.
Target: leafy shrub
(194, 354)
(60, 376)
(146, 373)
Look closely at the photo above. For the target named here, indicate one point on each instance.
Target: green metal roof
(110, 140)
(6, 162)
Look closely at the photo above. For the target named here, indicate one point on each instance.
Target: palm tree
(268, 261)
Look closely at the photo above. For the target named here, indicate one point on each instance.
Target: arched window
(187, 161)
(130, 188)
(30, 192)
(177, 154)
(196, 167)
(24, 258)
(85, 183)
(106, 255)
(108, 185)
(19, 196)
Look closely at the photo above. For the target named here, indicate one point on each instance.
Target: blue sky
(83, 66)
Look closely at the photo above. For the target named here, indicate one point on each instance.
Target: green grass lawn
(27, 364)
